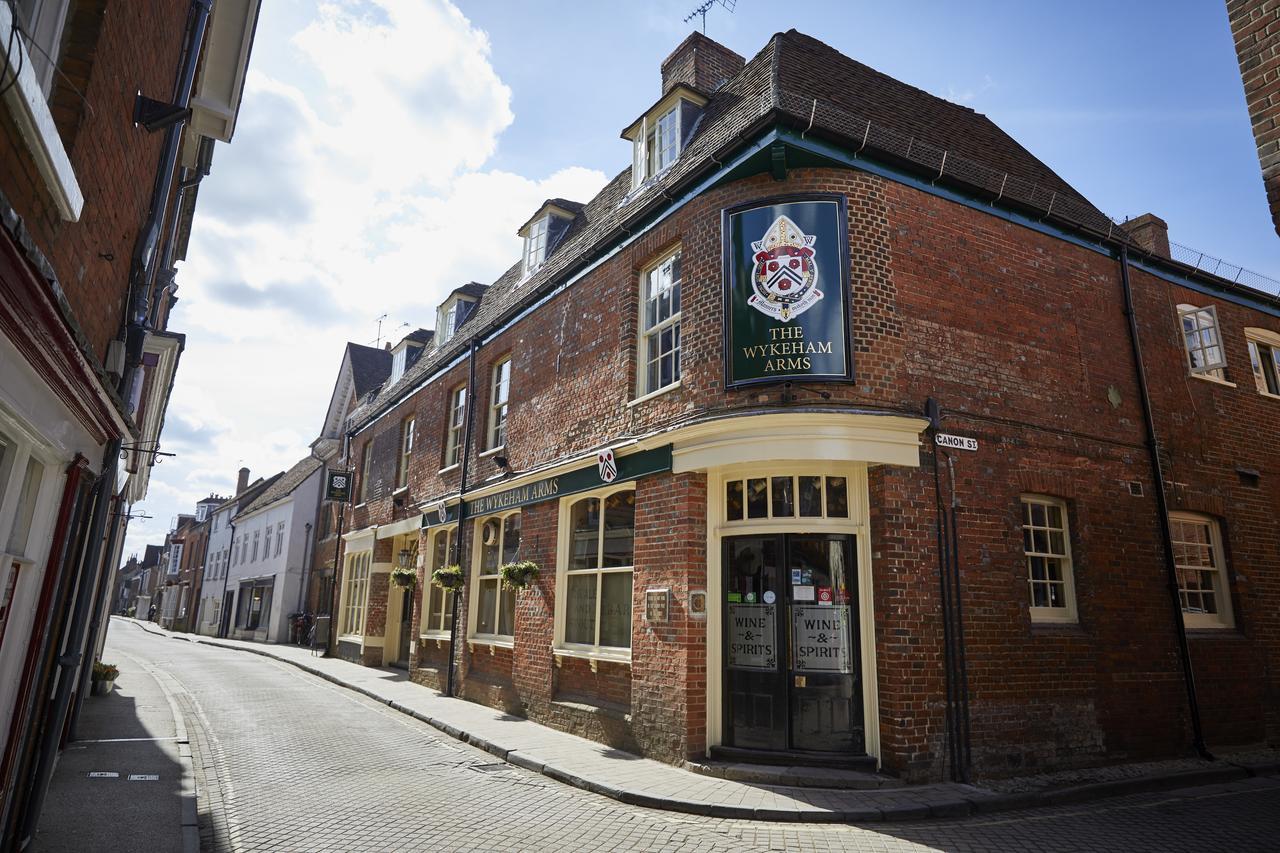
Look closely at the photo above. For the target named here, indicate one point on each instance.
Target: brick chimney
(701, 63)
(242, 481)
(1151, 233)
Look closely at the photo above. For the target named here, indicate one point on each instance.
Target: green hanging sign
(786, 303)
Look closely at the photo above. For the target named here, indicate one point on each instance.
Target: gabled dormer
(405, 353)
(455, 310)
(543, 232)
(658, 136)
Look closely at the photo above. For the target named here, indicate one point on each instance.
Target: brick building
(828, 433)
(109, 116)
(1255, 26)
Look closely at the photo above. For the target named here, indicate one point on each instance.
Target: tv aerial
(703, 8)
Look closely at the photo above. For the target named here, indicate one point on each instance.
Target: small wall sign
(698, 603)
(955, 442)
(657, 606)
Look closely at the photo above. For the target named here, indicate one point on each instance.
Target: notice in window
(822, 638)
(753, 637)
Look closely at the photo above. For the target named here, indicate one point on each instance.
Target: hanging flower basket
(449, 578)
(404, 578)
(518, 575)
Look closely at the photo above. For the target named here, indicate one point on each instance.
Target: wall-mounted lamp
(502, 462)
(405, 557)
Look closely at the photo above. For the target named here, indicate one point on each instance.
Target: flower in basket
(518, 575)
(404, 577)
(449, 577)
(104, 671)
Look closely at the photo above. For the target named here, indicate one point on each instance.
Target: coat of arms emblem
(607, 465)
(783, 273)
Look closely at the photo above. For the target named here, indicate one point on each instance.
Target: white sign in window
(821, 638)
(753, 636)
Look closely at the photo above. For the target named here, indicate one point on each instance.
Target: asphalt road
(285, 761)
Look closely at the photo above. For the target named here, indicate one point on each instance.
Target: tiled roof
(370, 367)
(285, 484)
(574, 207)
(471, 288)
(422, 336)
(779, 83)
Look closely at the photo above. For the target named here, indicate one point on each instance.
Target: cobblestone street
(274, 774)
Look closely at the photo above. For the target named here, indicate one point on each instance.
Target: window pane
(580, 609)
(757, 498)
(783, 504)
(811, 497)
(434, 605)
(619, 529)
(733, 500)
(26, 506)
(615, 610)
(837, 498)
(584, 534)
(486, 606)
(511, 538)
(507, 613)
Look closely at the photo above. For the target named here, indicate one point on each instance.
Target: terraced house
(841, 430)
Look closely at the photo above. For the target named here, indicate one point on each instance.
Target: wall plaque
(821, 638)
(657, 606)
(786, 303)
(753, 636)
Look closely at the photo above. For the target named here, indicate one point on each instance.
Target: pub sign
(337, 486)
(786, 291)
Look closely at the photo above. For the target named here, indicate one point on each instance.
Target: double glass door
(792, 679)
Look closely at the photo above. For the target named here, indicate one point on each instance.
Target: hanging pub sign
(786, 302)
(337, 486)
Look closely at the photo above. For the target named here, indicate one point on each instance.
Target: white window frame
(563, 573)
(1264, 358)
(1067, 613)
(1224, 618)
(447, 319)
(477, 559)
(499, 404)
(457, 416)
(257, 534)
(651, 336)
(773, 514)
(398, 359)
(364, 473)
(355, 592)
(430, 615)
(535, 245)
(408, 426)
(652, 158)
(1207, 332)
(279, 538)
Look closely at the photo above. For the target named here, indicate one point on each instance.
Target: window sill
(1214, 631)
(647, 397)
(400, 491)
(493, 451)
(30, 111)
(1269, 394)
(437, 637)
(1215, 380)
(1050, 623)
(619, 657)
(350, 638)
(360, 505)
(493, 642)
(448, 468)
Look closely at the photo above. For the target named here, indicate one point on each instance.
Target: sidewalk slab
(609, 772)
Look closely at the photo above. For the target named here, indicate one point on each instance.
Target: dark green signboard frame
(786, 299)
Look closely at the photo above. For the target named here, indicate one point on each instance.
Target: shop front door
(792, 678)
(406, 621)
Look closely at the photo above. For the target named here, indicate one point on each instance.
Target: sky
(387, 151)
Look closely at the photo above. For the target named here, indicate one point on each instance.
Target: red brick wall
(1255, 25)
(137, 47)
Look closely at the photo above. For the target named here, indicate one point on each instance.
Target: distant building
(217, 596)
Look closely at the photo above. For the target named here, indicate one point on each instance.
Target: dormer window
(535, 246)
(398, 359)
(453, 314)
(544, 232)
(658, 136)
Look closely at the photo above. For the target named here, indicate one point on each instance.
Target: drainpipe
(1162, 506)
(459, 551)
(99, 602)
(90, 569)
(302, 582)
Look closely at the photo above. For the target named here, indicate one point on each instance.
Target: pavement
(126, 783)
(630, 779)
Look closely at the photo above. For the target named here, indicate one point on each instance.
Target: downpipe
(459, 541)
(1162, 506)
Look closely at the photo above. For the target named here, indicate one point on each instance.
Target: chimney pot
(242, 481)
(701, 63)
(1151, 233)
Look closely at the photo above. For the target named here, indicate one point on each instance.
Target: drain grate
(488, 768)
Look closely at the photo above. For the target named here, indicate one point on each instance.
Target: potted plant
(104, 678)
(405, 578)
(448, 578)
(518, 575)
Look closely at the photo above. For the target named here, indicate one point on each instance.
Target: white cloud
(355, 187)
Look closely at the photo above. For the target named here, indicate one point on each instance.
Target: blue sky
(387, 151)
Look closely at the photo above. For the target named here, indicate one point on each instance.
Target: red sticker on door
(824, 595)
